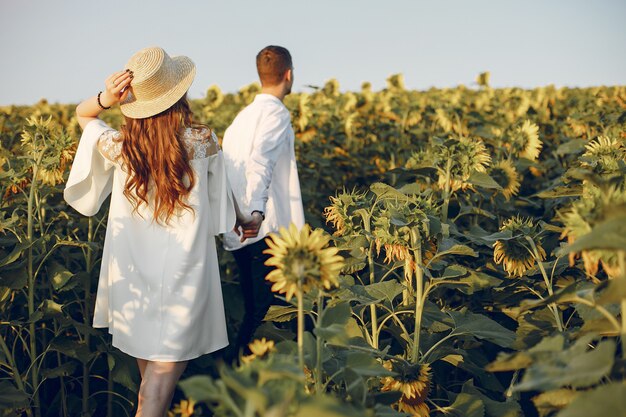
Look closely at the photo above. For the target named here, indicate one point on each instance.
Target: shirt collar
(267, 97)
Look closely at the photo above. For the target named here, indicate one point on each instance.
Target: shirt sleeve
(221, 206)
(90, 179)
(266, 148)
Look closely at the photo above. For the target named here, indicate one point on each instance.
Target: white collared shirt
(261, 166)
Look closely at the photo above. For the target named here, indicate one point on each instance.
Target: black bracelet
(260, 212)
(100, 103)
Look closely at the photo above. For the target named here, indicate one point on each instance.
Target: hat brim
(184, 70)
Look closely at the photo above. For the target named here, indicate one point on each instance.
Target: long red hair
(157, 162)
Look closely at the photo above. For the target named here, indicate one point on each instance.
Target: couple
(172, 191)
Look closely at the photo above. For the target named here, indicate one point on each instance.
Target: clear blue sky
(63, 49)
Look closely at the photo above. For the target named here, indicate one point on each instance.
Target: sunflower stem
(16, 373)
(416, 243)
(367, 225)
(622, 269)
(551, 306)
(446, 192)
(31, 283)
(300, 325)
(318, 365)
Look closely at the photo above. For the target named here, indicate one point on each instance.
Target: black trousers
(256, 291)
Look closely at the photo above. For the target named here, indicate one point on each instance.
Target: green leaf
(11, 397)
(386, 290)
(478, 281)
(281, 314)
(51, 308)
(123, 370)
(549, 402)
(454, 249)
(561, 191)
(326, 406)
(200, 388)
(337, 314)
(388, 192)
(510, 362)
(14, 255)
(611, 291)
(366, 365)
(570, 368)
(453, 271)
(64, 369)
(609, 234)
(509, 408)
(605, 401)
(482, 327)
(483, 180)
(466, 405)
(572, 146)
(15, 279)
(533, 327)
(59, 275)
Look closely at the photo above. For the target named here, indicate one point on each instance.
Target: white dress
(159, 291)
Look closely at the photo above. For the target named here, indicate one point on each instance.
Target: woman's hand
(117, 87)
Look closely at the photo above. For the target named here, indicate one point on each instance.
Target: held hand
(250, 229)
(241, 220)
(117, 87)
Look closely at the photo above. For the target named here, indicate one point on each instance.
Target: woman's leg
(141, 363)
(157, 387)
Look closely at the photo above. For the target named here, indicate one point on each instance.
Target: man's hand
(249, 228)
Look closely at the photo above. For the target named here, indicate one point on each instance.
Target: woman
(159, 289)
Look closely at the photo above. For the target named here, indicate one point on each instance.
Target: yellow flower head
(515, 253)
(506, 176)
(461, 156)
(604, 155)
(259, 348)
(183, 409)
(525, 142)
(341, 209)
(302, 259)
(593, 208)
(414, 384)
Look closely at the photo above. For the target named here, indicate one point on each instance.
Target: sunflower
(50, 176)
(506, 176)
(339, 213)
(413, 381)
(419, 159)
(604, 155)
(514, 253)
(583, 215)
(462, 156)
(259, 348)
(304, 112)
(525, 142)
(302, 258)
(392, 227)
(183, 409)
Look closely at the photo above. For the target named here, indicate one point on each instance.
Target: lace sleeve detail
(200, 144)
(110, 145)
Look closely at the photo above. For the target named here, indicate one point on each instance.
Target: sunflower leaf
(483, 180)
(482, 327)
(606, 400)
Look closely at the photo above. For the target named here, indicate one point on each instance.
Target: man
(261, 167)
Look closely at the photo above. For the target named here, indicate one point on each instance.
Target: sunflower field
(465, 255)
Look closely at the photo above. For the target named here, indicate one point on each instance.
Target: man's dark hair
(272, 62)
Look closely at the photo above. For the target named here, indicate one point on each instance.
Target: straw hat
(159, 82)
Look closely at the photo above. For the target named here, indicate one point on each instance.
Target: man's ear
(288, 74)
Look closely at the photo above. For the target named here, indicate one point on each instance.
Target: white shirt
(159, 291)
(261, 167)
